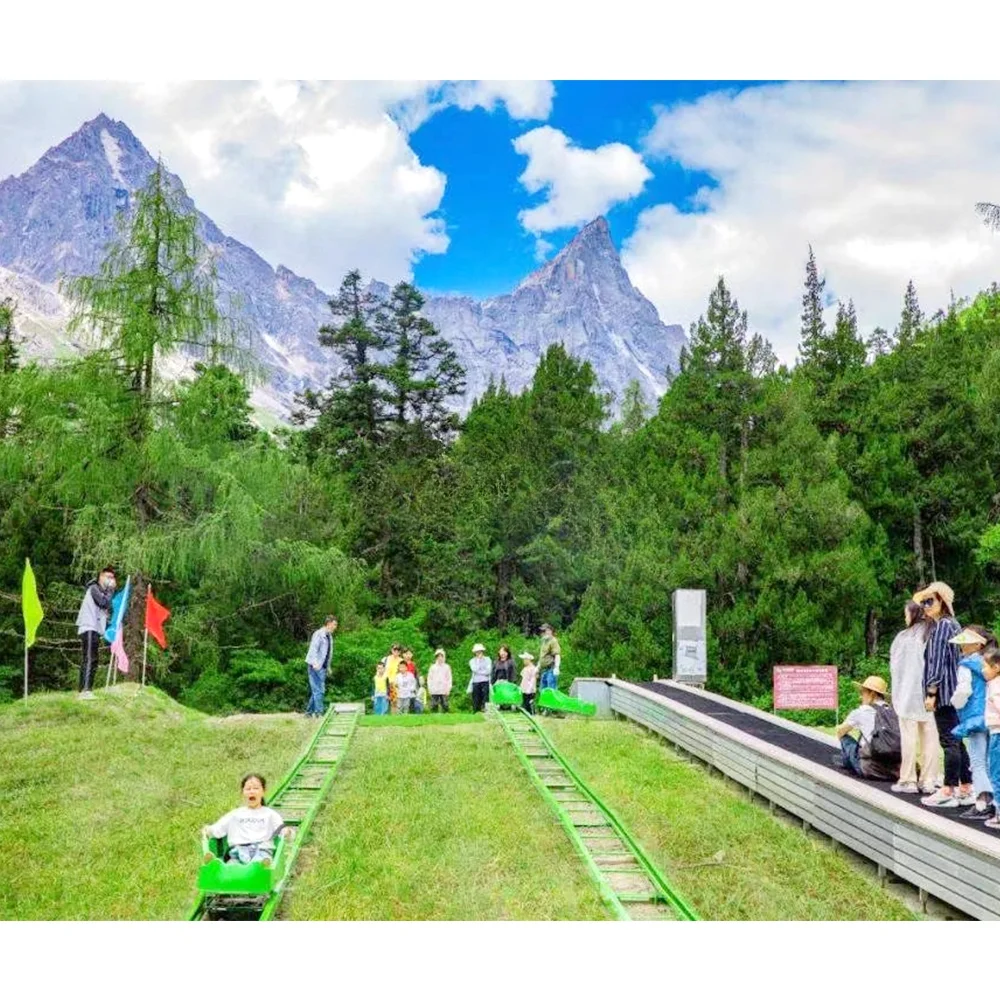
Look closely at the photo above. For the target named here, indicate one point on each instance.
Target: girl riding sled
(250, 829)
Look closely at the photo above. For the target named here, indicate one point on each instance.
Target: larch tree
(155, 292)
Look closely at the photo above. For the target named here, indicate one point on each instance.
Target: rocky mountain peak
(57, 218)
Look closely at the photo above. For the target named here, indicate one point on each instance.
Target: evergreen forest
(809, 502)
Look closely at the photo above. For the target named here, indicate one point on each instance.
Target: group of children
(977, 701)
(399, 688)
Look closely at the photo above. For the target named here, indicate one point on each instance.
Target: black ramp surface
(802, 746)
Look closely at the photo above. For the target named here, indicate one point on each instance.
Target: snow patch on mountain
(113, 154)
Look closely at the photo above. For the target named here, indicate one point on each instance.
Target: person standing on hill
(318, 662)
(529, 681)
(439, 681)
(917, 731)
(91, 623)
(940, 679)
(503, 670)
(549, 658)
(480, 666)
(392, 662)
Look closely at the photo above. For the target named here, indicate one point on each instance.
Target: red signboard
(805, 687)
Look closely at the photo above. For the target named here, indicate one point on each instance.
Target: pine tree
(879, 343)
(813, 325)
(715, 388)
(911, 320)
(9, 353)
(154, 292)
(422, 376)
(634, 408)
(351, 414)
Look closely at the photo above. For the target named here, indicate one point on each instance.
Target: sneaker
(928, 789)
(988, 813)
(837, 760)
(906, 788)
(993, 823)
(85, 696)
(939, 801)
(974, 812)
(968, 799)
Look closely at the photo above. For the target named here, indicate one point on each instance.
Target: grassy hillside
(436, 822)
(103, 800)
(732, 859)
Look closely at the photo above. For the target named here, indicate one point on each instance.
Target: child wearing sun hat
(969, 700)
(857, 753)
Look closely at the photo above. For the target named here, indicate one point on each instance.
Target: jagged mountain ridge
(57, 217)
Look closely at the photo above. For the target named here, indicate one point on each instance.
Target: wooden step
(650, 911)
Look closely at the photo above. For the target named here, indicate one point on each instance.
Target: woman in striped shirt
(940, 677)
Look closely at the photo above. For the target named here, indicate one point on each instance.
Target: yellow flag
(31, 605)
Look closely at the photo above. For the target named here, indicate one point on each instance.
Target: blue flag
(119, 605)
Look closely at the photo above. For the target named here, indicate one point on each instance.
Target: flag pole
(145, 645)
(26, 668)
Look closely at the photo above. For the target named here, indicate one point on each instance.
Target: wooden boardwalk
(957, 862)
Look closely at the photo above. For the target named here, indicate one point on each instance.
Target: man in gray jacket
(91, 623)
(318, 661)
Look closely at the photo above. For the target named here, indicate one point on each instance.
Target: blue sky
(489, 250)
(421, 179)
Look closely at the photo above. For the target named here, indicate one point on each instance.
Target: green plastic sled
(556, 701)
(505, 693)
(254, 879)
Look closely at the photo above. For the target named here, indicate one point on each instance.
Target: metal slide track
(298, 799)
(631, 885)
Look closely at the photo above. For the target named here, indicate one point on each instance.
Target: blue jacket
(972, 715)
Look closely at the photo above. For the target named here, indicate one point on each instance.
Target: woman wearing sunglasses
(941, 658)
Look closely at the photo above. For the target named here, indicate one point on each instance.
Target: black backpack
(885, 743)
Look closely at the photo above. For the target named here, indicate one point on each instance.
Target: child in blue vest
(969, 700)
(991, 671)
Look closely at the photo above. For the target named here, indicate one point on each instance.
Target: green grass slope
(435, 822)
(103, 800)
(730, 858)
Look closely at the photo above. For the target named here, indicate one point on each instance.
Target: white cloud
(319, 177)
(579, 184)
(880, 178)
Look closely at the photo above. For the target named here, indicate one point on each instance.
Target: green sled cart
(556, 701)
(235, 889)
(506, 693)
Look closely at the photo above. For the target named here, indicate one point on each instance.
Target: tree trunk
(135, 625)
(930, 543)
(918, 546)
(871, 633)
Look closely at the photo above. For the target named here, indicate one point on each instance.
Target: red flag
(156, 615)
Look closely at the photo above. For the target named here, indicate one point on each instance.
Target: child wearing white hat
(529, 682)
(439, 682)
(480, 665)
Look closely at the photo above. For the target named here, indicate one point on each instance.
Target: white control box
(690, 637)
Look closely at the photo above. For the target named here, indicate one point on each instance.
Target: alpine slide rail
(630, 884)
(298, 799)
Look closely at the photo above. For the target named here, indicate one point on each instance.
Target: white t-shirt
(863, 718)
(248, 826)
(906, 666)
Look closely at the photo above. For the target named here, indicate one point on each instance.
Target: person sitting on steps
(870, 755)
